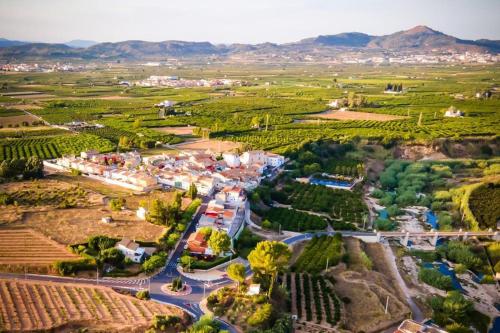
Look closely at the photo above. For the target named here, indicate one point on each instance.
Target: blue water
(383, 214)
(431, 219)
(496, 326)
(444, 269)
(326, 182)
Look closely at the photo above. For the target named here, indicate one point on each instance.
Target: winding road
(191, 302)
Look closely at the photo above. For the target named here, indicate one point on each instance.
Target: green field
(270, 113)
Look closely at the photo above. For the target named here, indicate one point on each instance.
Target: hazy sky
(247, 21)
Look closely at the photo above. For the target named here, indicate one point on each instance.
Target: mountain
(425, 39)
(420, 39)
(80, 43)
(348, 39)
(8, 43)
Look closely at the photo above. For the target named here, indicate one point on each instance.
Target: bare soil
(217, 146)
(43, 306)
(23, 246)
(367, 290)
(180, 130)
(356, 115)
(17, 120)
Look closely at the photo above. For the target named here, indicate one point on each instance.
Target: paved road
(190, 303)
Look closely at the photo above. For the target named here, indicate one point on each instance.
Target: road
(200, 289)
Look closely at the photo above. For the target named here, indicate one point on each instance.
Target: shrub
(65, 268)
(261, 316)
(142, 294)
(117, 204)
(154, 262)
(435, 278)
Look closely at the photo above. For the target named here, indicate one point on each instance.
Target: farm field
(39, 208)
(273, 117)
(23, 246)
(36, 306)
(180, 130)
(317, 307)
(356, 115)
(217, 146)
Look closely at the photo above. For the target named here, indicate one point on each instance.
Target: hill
(420, 39)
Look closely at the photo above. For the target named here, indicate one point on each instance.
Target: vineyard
(293, 220)
(319, 252)
(52, 147)
(27, 247)
(340, 204)
(43, 306)
(313, 299)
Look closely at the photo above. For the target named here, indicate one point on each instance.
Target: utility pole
(97, 274)
(386, 304)
(267, 121)
(279, 229)
(327, 264)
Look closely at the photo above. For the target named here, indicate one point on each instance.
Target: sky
(239, 21)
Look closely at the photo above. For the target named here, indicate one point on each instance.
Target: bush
(384, 225)
(163, 322)
(142, 294)
(65, 268)
(261, 316)
(117, 204)
(154, 262)
(435, 278)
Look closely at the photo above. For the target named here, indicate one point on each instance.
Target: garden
(320, 252)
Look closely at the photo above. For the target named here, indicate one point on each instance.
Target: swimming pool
(328, 182)
(431, 219)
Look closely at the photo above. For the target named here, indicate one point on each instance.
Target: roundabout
(167, 289)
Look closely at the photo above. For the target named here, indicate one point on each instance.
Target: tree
(206, 324)
(236, 272)
(456, 305)
(137, 123)
(219, 242)
(157, 212)
(269, 258)
(261, 316)
(124, 142)
(192, 191)
(112, 256)
(116, 204)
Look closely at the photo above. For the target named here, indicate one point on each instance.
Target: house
(232, 160)
(231, 195)
(274, 160)
(141, 213)
(131, 250)
(453, 112)
(197, 245)
(411, 326)
(334, 104)
(253, 289)
(253, 157)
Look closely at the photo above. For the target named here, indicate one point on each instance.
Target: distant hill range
(420, 39)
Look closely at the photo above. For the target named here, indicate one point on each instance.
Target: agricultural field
(313, 300)
(69, 213)
(25, 247)
(353, 115)
(270, 114)
(319, 252)
(294, 220)
(343, 205)
(44, 306)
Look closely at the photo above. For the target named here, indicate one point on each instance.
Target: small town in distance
(249, 167)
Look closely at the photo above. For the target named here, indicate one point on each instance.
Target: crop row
(294, 220)
(52, 147)
(318, 253)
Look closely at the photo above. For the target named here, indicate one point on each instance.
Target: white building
(131, 250)
(453, 112)
(253, 157)
(274, 160)
(232, 160)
